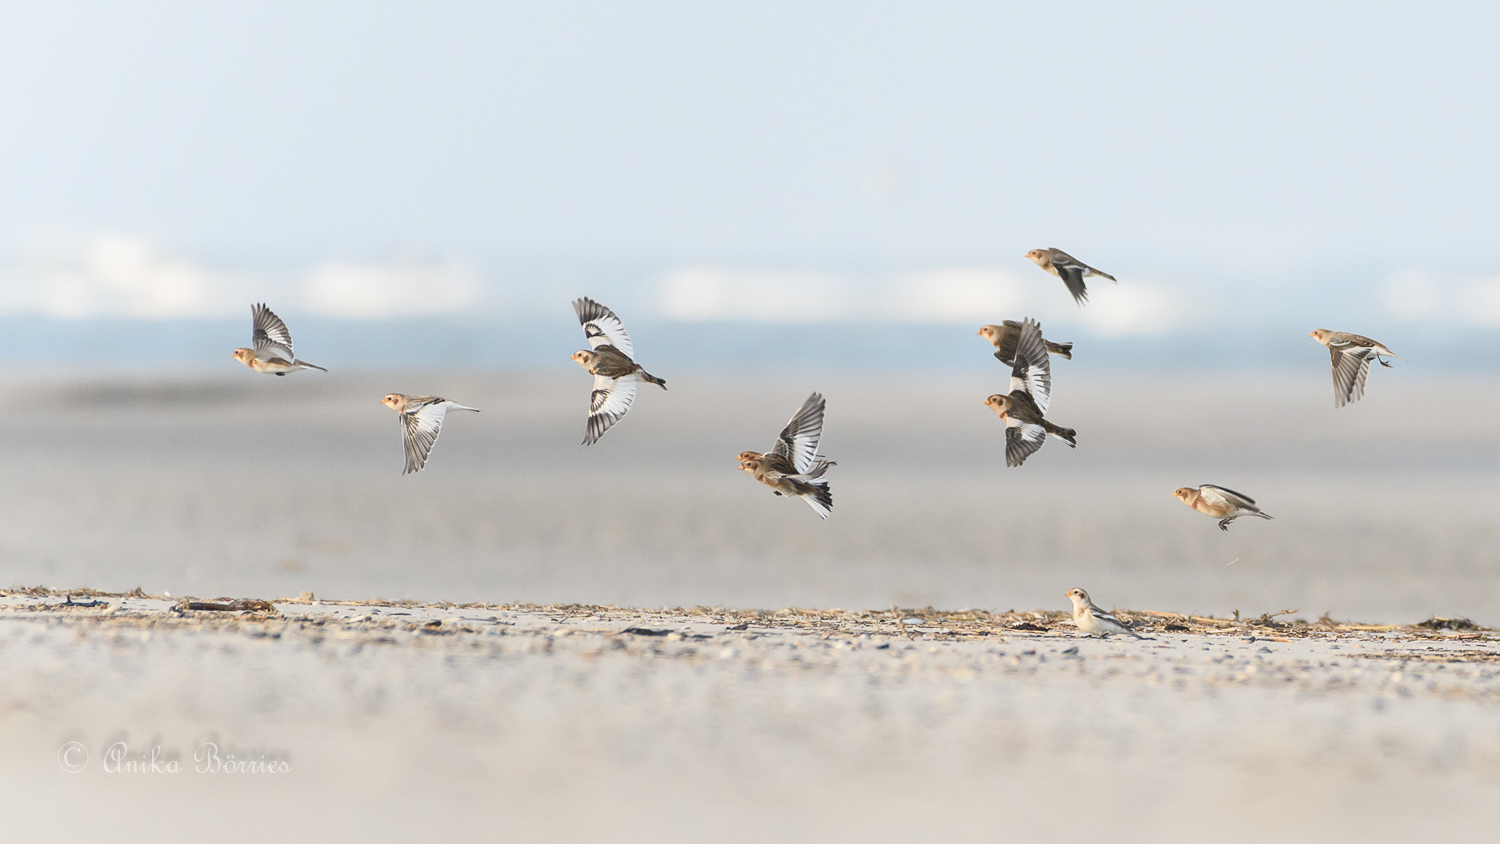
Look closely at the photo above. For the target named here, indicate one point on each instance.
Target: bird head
(584, 359)
(243, 355)
(990, 332)
(395, 401)
(750, 464)
(997, 403)
(1321, 335)
(748, 455)
(1039, 256)
(1186, 494)
(1079, 597)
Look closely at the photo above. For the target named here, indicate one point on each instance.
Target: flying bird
(422, 418)
(273, 345)
(1351, 355)
(1005, 336)
(615, 374)
(1226, 505)
(1024, 408)
(1071, 270)
(1094, 620)
(793, 466)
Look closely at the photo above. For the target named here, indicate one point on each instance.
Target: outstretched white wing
(799, 439)
(602, 327)
(1351, 365)
(1033, 370)
(422, 426)
(1223, 495)
(1021, 441)
(609, 403)
(269, 334)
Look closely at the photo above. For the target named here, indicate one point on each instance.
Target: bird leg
(1382, 362)
(1224, 524)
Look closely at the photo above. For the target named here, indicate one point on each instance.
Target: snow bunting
(273, 345)
(1094, 620)
(1030, 393)
(1226, 505)
(614, 372)
(1071, 270)
(793, 466)
(422, 417)
(1351, 355)
(1005, 336)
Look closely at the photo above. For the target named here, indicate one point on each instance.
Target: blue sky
(491, 155)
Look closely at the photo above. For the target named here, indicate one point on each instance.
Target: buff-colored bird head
(1186, 494)
(395, 401)
(1039, 256)
(997, 403)
(584, 359)
(751, 464)
(990, 333)
(1321, 335)
(748, 455)
(243, 355)
(1079, 597)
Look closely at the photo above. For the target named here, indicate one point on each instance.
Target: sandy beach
(246, 486)
(487, 681)
(387, 721)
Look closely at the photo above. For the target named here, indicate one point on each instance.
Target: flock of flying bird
(794, 467)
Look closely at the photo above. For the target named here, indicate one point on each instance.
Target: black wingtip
(588, 310)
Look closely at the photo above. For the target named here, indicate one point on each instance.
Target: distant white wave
(1421, 295)
(92, 275)
(109, 274)
(380, 291)
(951, 295)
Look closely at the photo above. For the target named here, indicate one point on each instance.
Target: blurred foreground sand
(584, 724)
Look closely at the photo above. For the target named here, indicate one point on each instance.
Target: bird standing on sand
(1226, 505)
(793, 466)
(1093, 620)
(1030, 392)
(422, 417)
(1071, 270)
(1005, 336)
(1351, 355)
(273, 345)
(614, 372)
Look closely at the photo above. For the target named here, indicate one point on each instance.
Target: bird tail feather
(1062, 350)
(819, 497)
(1067, 435)
(308, 365)
(646, 376)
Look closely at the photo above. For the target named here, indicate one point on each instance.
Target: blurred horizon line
(475, 342)
(104, 275)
